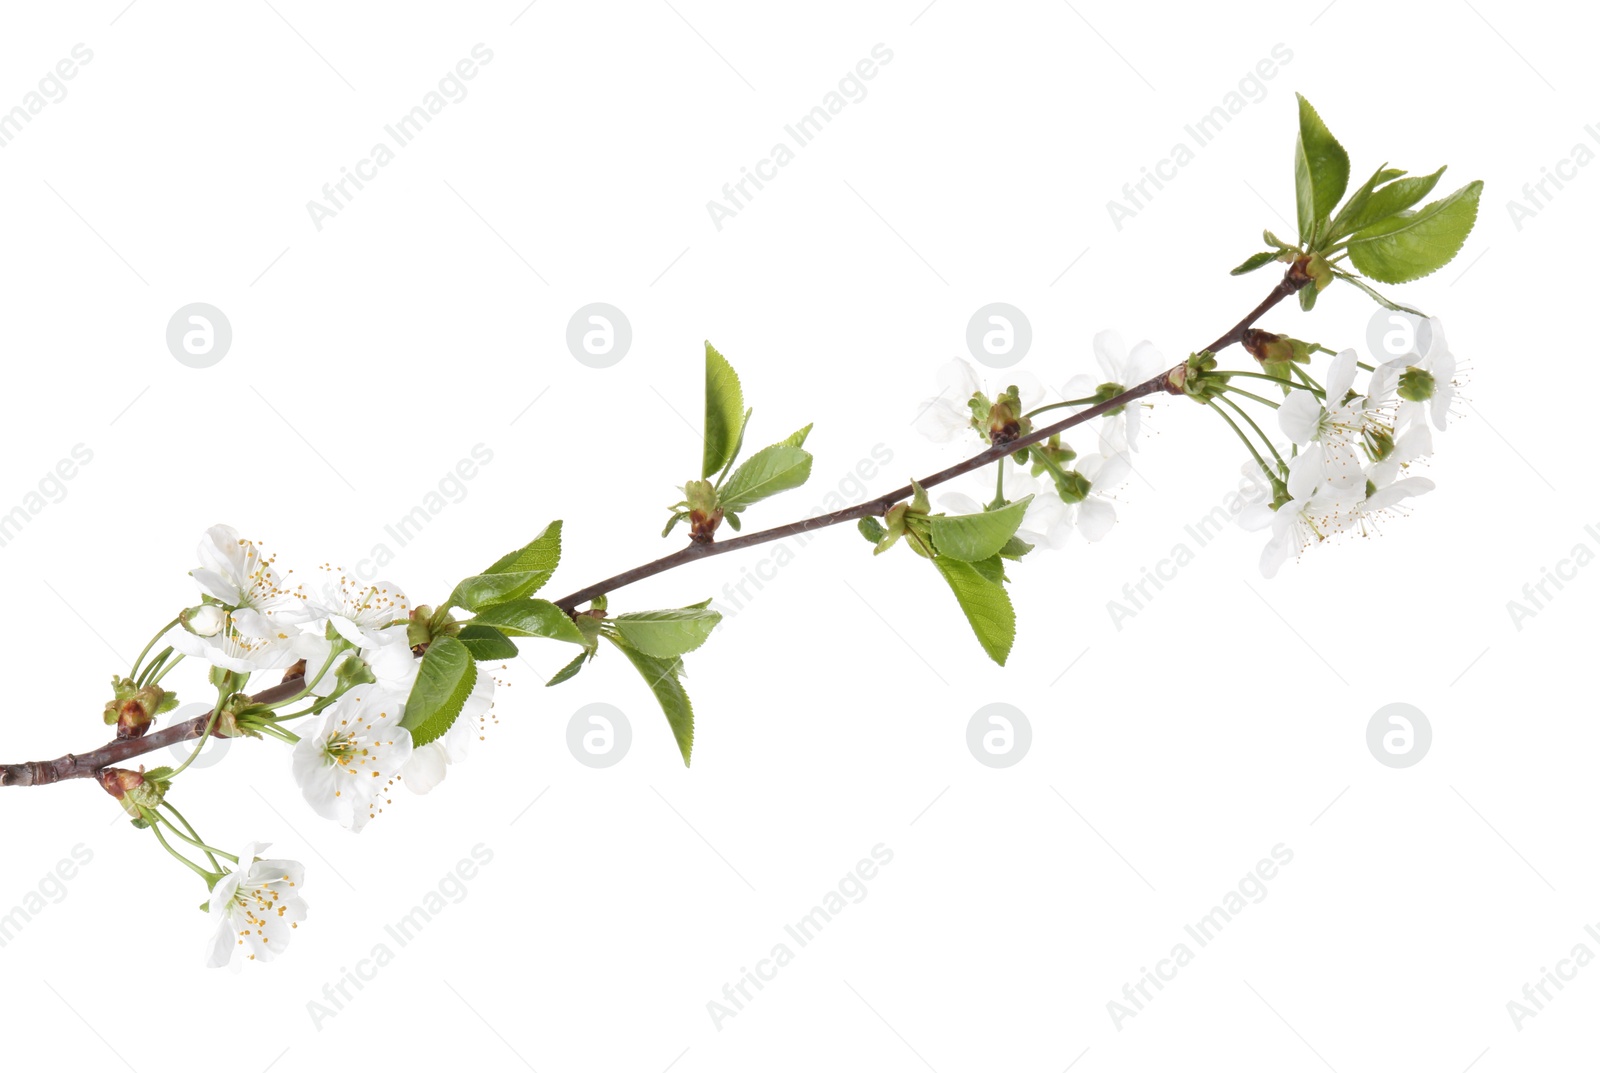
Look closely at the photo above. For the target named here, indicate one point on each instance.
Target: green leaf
(1015, 549)
(673, 521)
(1391, 200)
(986, 605)
(1387, 303)
(445, 679)
(1308, 297)
(665, 634)
(1412, 245)
(798, 439)
(870, 528)
(1273, 240)
(570, 670)
(521, 573)
(991, 568)
(1321, 170)
(661, 675)
(970, 537)
(738, 446)
(530, 618)
(1255, 261)
(766, 473)
(724, 412)
(1358, 199)
(486, 642)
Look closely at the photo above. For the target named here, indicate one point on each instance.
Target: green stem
(196, 839)
(134, 673)
(1271, 476)
(162, 673)
(279, 732)
(193, 841)
(209, 877)
(1058, 405)
(1250, 395)
(1052, 465)
(1316, 388)
(154, 666)
(1240, 410)
(211, 724)
(1265, 376)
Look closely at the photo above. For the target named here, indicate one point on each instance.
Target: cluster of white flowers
(1351, 456)
(349, 758)
(1353, 453)
(257, 622)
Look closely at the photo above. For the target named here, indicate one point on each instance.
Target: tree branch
(87, 765)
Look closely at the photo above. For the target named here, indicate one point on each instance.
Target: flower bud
(203, 620)
(132, 707)
(1005, 422)
(133, 791)
(1269, 348)
(118, 781)
(417, 632)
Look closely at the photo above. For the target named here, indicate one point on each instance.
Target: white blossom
(256, 907)
(347, 765)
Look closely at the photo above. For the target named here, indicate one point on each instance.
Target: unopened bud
(133, 707)
(703, 526)
(1005, 421)
(418, 635)
(133, 791)
(118, 781)
(203, 620)
(1269, 348)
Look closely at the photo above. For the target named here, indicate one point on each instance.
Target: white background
(429, 316)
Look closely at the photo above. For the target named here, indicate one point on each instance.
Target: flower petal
(1341, 375)
(1298, 416)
